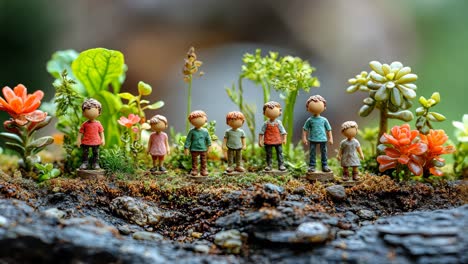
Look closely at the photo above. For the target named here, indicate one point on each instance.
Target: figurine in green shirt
(317, 130)
(234, 141)
(198, 142)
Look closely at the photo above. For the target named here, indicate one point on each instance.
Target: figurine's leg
(355, 173)
(195, 155)
(312, 161)
(279, 156)
(95, 159)
(345, 174)
(230, 156)
(155, 161)
(203, 161)
(323, 156)
(268, 149)
(84, 157)
(238, 158)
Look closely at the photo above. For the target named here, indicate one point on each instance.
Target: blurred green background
(338, 37)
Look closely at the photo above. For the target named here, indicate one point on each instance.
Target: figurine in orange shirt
(273, 135)
(91, 134)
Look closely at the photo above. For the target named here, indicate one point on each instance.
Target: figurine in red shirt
(91, 134)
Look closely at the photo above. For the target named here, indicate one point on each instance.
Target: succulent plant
(390, 88)
(425, 116)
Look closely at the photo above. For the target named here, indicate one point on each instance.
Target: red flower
(22, 106)
(435, 140)
(130, 121)
(405, 149)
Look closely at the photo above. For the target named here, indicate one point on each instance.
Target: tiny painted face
(235, 123)
(350, 132)
(316, 108)
(158, 127)
(272, 113)
(198, 121)
(91, 113)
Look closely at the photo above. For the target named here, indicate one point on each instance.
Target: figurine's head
(158, 123)
(91, 109)
(235, 119)
(349, 129)
(197, 118)
(272, 110)
(316, 104)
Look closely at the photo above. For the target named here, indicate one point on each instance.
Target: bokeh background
(338, 37)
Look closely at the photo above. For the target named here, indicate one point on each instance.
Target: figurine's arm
(244, 146)
(304, 137)
(167, 146)
(78, 140)
(330, 137)
(359, 149)
(102, 138)
(225, 143)
(283, 138)
(149, 144)
(340, 153)
(260, 140)
(208, 142)
(188, 142)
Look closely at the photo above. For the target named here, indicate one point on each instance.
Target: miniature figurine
(349, 148)
(198, 142)
(273, 134)
(317, 130)
(91, 134)
(234, 141)
(158, 144)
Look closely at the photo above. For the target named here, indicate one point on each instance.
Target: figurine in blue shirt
(317, 130)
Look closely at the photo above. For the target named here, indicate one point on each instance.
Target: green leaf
(12, 137)
(97, 68)
(144, 88)
(404, 115)
(40, 143)
(437, 116)
(126, 96)
(62, 60)
(15, 147)
(423, 102)
(154, 106)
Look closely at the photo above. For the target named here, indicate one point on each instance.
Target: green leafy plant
(115, 160)
(261, 70)
(295, 160)
(136, 105)
(237, 97)
(294, 75)
(46, 171)
(391, 91)
(425, 117)
(25, 121)
(191, 66)
(460, 157)
(370, 136)
(68, 109)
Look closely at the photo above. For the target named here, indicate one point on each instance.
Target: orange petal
(417, 149)
(384, 159)
(403, 159)
(4, 106)
(8, 94)
(39, 94)
(36, 116)
(435, 171)
(392, 153)
(415, 168)
(21, 120)
(31, 104)
(384, 167)
(21, 91)
(17, 105)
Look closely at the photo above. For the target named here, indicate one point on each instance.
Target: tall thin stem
(383, 122)
(189, 104)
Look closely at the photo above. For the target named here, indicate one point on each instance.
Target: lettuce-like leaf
(99, 67)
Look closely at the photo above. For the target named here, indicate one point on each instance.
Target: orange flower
(22, 106)
(404, 149)
(130, 121)
(435, 140)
